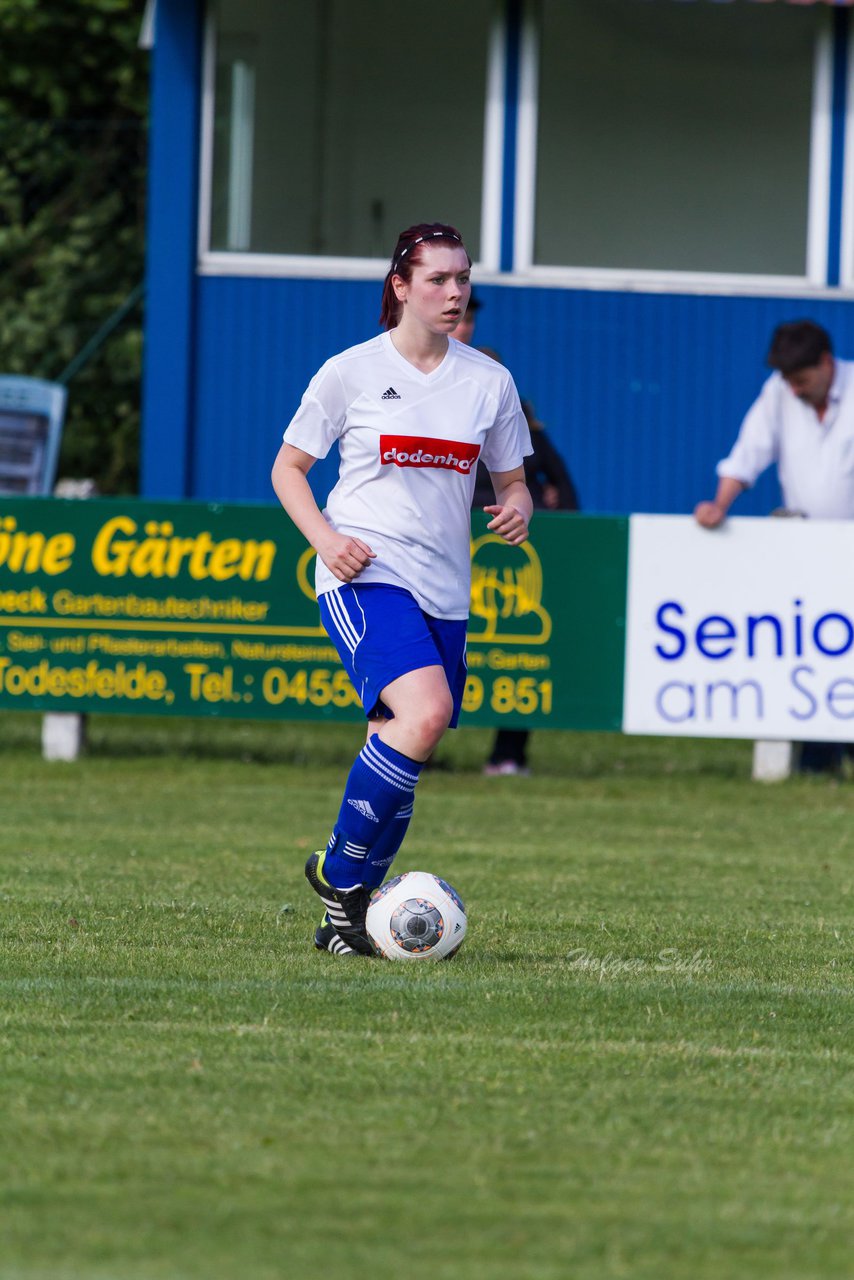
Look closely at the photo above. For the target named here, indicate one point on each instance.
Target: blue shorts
(381, 633)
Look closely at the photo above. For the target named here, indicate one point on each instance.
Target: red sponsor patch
(419, 451)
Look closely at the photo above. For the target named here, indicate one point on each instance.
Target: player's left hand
(509, 523)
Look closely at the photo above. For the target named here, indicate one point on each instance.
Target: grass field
(639, 1065)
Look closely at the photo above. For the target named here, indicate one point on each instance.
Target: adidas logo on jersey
(364, 808)
(390, 394)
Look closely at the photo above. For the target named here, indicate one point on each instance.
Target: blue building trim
(839, 103)
(168, 385)
(512, 56)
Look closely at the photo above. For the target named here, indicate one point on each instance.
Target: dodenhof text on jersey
(418, 451)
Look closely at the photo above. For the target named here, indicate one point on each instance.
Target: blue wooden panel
(642, 393)
(168, 387)
(259, 343)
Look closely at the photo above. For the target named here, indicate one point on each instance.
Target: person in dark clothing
(552, 489)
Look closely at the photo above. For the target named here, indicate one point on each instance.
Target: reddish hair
(408, 252)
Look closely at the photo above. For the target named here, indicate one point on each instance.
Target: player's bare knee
(424, 726)
(434, 721)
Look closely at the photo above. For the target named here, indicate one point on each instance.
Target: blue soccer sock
(383, 851)
(381, 783)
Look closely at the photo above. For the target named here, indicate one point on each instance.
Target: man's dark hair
(800, 344)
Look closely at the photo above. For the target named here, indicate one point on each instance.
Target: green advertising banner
(187, 608)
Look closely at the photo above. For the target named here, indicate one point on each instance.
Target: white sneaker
(506, 769)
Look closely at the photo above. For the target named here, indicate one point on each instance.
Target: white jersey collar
(424, 378)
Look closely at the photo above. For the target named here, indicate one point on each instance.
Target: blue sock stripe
(378, 760)
(352, 850)
(386, 775)
(396, 759)
(405, 813)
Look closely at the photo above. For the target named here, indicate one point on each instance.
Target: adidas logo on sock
(390, 394)
(364, 807)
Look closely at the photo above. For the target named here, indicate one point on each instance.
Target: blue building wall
(641, 392)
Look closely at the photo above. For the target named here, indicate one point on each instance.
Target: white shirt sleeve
(322, 415)
(508, 442)
(757, 445)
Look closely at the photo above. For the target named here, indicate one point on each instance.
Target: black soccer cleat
(345, 908)
(327, 938)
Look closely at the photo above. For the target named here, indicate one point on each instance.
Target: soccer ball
(416, 916)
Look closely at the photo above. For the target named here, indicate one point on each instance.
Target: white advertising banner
(746, 631)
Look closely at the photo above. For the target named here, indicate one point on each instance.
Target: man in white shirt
(803, 419)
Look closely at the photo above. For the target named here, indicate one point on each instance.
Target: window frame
(523, 270)
(818, 207)
(220, 262)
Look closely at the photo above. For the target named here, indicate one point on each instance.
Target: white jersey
(814, 456)
(409, 445)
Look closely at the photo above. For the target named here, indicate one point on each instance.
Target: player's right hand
(345, 556)
(709, 514)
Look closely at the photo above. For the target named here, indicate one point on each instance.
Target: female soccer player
(412, 410)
